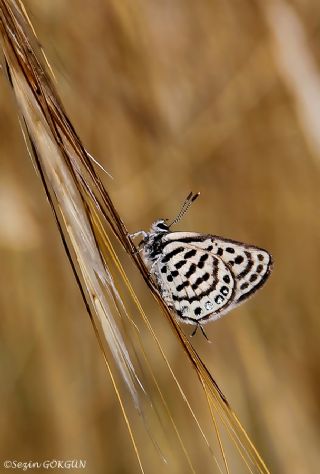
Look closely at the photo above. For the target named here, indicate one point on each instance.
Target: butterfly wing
(187, 260)
(196, 283)
(250, 265)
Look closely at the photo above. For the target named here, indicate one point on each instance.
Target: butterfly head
(152, 244)
(159, 227)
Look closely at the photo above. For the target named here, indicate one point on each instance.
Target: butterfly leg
(138, 249)
(195, 330)
(136, 234)
(202, 330)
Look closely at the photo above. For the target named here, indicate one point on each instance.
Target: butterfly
(201, 277)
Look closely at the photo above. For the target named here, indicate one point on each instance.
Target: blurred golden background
(217, 97)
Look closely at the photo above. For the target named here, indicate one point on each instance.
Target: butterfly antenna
(185, 206)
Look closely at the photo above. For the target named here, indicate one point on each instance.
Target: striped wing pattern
(203, 276)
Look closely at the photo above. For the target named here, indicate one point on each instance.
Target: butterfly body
(200, 276)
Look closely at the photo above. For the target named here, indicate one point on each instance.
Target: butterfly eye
(162, 226)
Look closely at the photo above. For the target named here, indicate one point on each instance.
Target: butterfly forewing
(203, 276)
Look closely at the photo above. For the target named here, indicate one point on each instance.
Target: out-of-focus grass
(190, 95)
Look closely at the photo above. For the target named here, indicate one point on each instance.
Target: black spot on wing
(204, 257)
(197, 283)
(255, 287)
(172, 254)
(191, 271)
(230, 250)
(248, 267)
(196, 297)
(189, 240)
(180, 264)
(183, 285)
(219, 299)
(191, 253)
